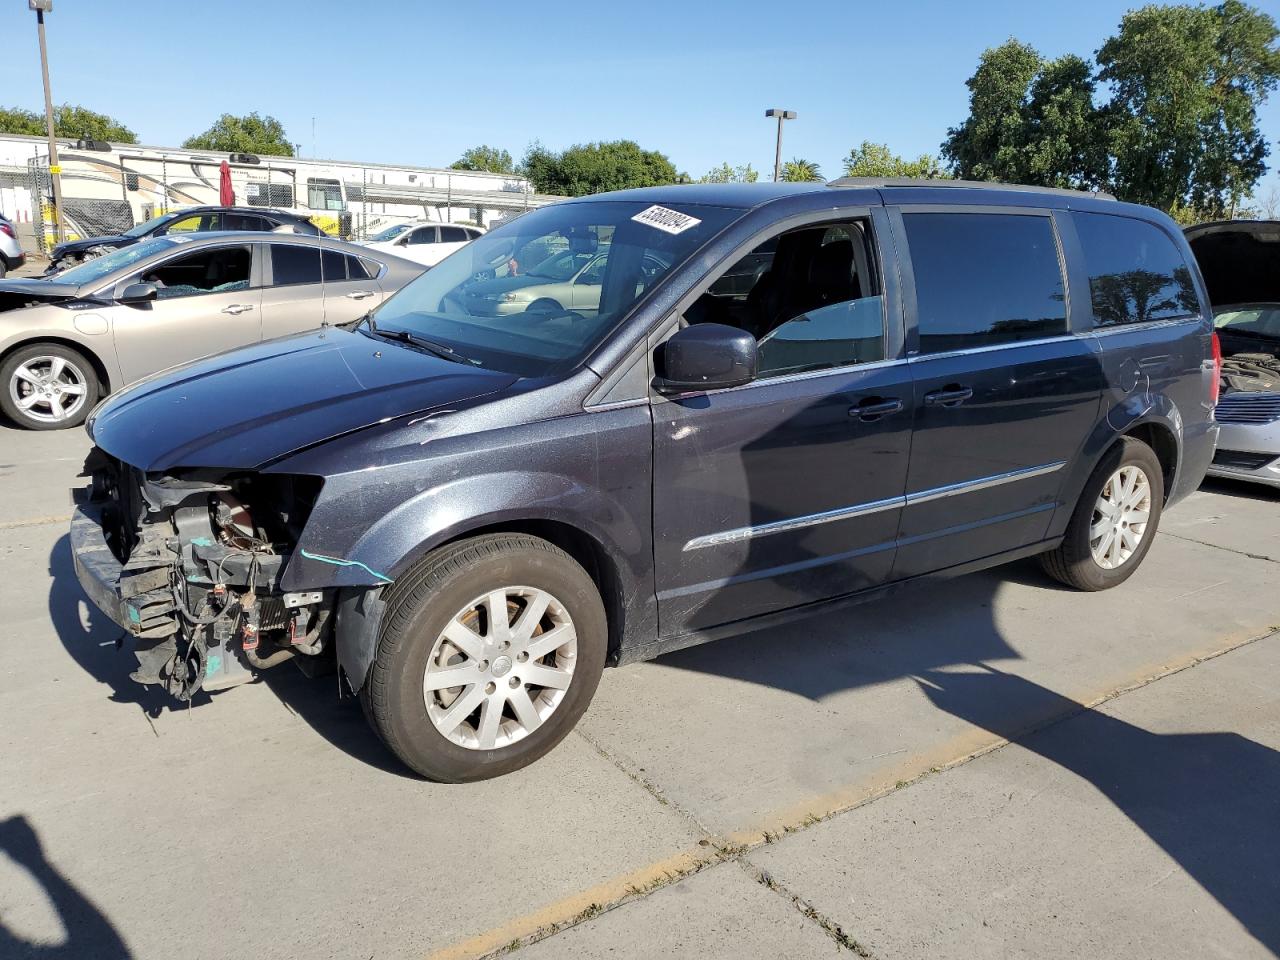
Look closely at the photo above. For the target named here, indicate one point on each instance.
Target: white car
(426, 243)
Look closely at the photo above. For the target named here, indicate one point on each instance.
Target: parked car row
(624, 424)
(70, 339)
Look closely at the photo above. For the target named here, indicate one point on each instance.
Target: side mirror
(138, 293)
(707, 356)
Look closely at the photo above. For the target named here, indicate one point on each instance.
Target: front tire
(489, 652)
(1115, 520)
(46, 386)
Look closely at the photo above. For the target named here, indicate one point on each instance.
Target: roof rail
(890, 182)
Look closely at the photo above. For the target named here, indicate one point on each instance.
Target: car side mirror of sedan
(707, 356)
(138, 293)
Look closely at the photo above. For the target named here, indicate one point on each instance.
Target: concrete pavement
(751, 797)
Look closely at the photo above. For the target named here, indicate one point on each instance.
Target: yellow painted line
(579, 907)
(34, 521)
(583, 905)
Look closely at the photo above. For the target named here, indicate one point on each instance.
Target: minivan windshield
(98, 268)
(518, 299)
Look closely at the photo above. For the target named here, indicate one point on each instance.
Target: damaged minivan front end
(189, 564)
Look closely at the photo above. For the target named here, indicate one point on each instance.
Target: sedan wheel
(500, 668)
(1120, 517)
(48, 387)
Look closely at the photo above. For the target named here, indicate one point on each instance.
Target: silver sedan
(69, 340)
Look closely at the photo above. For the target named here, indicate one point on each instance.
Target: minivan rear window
(984, 279)
(1136, 273)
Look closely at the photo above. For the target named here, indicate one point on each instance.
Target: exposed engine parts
(1251, 372)
(200, 578)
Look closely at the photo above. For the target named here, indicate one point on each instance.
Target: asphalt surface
(992, 766)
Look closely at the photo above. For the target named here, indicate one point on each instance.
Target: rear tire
(46, 386)
(440, 626)
(1114, 522)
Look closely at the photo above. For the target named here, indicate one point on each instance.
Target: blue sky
(418, 82)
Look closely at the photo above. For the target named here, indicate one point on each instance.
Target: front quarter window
(506, 300)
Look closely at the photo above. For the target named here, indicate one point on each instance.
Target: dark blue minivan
(625, 424)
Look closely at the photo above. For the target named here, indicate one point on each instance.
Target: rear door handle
(238, 308)
(952, 395)
(873, 408)
(359, 295)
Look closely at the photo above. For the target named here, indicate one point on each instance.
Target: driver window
(593, 276)
(423, 235)
(206, 271)
(810, 297)
(193, 224)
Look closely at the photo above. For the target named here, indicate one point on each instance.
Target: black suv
(186, 220)
(474, 507)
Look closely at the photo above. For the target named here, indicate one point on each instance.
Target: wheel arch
(95, 361)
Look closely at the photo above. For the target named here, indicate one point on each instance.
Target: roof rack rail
(890, 182)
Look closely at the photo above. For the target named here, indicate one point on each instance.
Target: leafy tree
(727, 174)
(68, 121)
(801, 171)
(252, 133)
(485, 157)
(1062, 135)
(1186, 85)
(596, 167)
(989, 145)
(877, 160)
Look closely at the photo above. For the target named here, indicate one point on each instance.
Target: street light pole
(777, 155)
(55, 171)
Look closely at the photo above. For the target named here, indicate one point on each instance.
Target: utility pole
(55, 171)
(777, 154)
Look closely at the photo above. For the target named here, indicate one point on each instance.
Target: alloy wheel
(1120, 517)
(500, 668)
(48, 389)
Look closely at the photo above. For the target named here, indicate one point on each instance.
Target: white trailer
(107, 188)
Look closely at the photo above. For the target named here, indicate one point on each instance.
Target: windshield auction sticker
(668, 221)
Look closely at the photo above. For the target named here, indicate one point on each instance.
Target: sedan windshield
(390, 233)
(98, 268)
(518, 299)
(142, 229)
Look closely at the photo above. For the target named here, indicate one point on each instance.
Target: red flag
(226, 196)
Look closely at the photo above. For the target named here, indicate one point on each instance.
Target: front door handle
(873, 408)
(952, 395)
(359, 295)
(237, 308)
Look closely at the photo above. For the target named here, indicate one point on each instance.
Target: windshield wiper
(431, 346)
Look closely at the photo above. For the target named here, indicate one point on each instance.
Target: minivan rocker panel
(868, 383)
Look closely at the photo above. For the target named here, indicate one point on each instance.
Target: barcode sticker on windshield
(668, 221)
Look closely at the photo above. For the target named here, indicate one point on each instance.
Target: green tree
(877, 160)
(68, 121)
(485, 157)
(596, 167)
(1186, 85)
(801, 171)
(727, 174)
(1063, 134)
(252, 133)
(989, 145)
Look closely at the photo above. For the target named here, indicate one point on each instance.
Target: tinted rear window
(1136, 273)
(294, 264)
(984, 279)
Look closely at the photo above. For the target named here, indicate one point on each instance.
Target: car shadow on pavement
(89, 934)
(1228, 487)
(1210, 800)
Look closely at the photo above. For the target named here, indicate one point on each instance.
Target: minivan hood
(247, 407)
